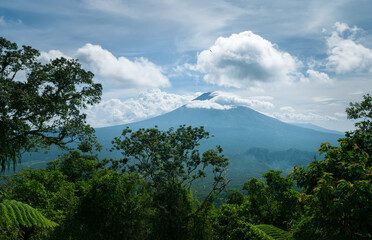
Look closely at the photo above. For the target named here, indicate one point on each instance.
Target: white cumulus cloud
(225, 101)
(289, 114)
(207, 104)
(148, 104)
(46, 57)
(318, 77)
(345, 53)
(244, 59)
(122, 72)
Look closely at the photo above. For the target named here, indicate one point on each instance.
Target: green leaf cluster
(171, 162)
(44, 107)
(231, 224)
(337, 190)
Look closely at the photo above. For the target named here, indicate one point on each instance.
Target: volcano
(254, 142)
(236, 129)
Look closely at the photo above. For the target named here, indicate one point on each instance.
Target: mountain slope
(236, 129)
(240, 131)
(317, 128)
(254, 142)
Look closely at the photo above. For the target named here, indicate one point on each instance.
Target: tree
(170, 156)
(231, 224)
(235, 197)
(114, 206)
(44, 107)
(337, 190)
(362, 113)
(76, 166)
(273, 203)
(170, 162)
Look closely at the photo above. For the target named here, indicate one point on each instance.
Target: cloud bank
(289, 114)
(245, 59)
(156, 102)
(193, 23)
(46, 57)
(121, 72)
(225, 101)
(318, 77)
(345, 53)
(148, 104)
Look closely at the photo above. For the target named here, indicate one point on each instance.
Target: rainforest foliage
(154, 191)
(148, 194)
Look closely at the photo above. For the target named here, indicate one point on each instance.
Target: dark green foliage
(169, 156)
(259, 204)
(173, 204)
(274, 203)
(363, 112)
(201, 223)
(44, 108)
(285, 198)
(337, 193)
(228, 223)
(235, 197)
(337, 190)
(76, 166)
(231, 224)
(115, 206)
(170, 162)
(47, 190)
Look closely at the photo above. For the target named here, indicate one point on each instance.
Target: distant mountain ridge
(317, 128)
(253, 141)
(204, 96)
(236, 129)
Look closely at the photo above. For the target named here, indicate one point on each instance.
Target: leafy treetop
(339, 187)
(44, 107)
(169, 156)
(362, 112)
(171, 159)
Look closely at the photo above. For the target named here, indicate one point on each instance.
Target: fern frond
(20, 214)
(273, 232)
(258, 234)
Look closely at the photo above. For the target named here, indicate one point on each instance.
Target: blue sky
(298, 61)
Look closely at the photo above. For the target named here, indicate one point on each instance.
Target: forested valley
(150, 193)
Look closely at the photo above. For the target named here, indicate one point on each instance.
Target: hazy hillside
(254, 142)
(236, 129)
